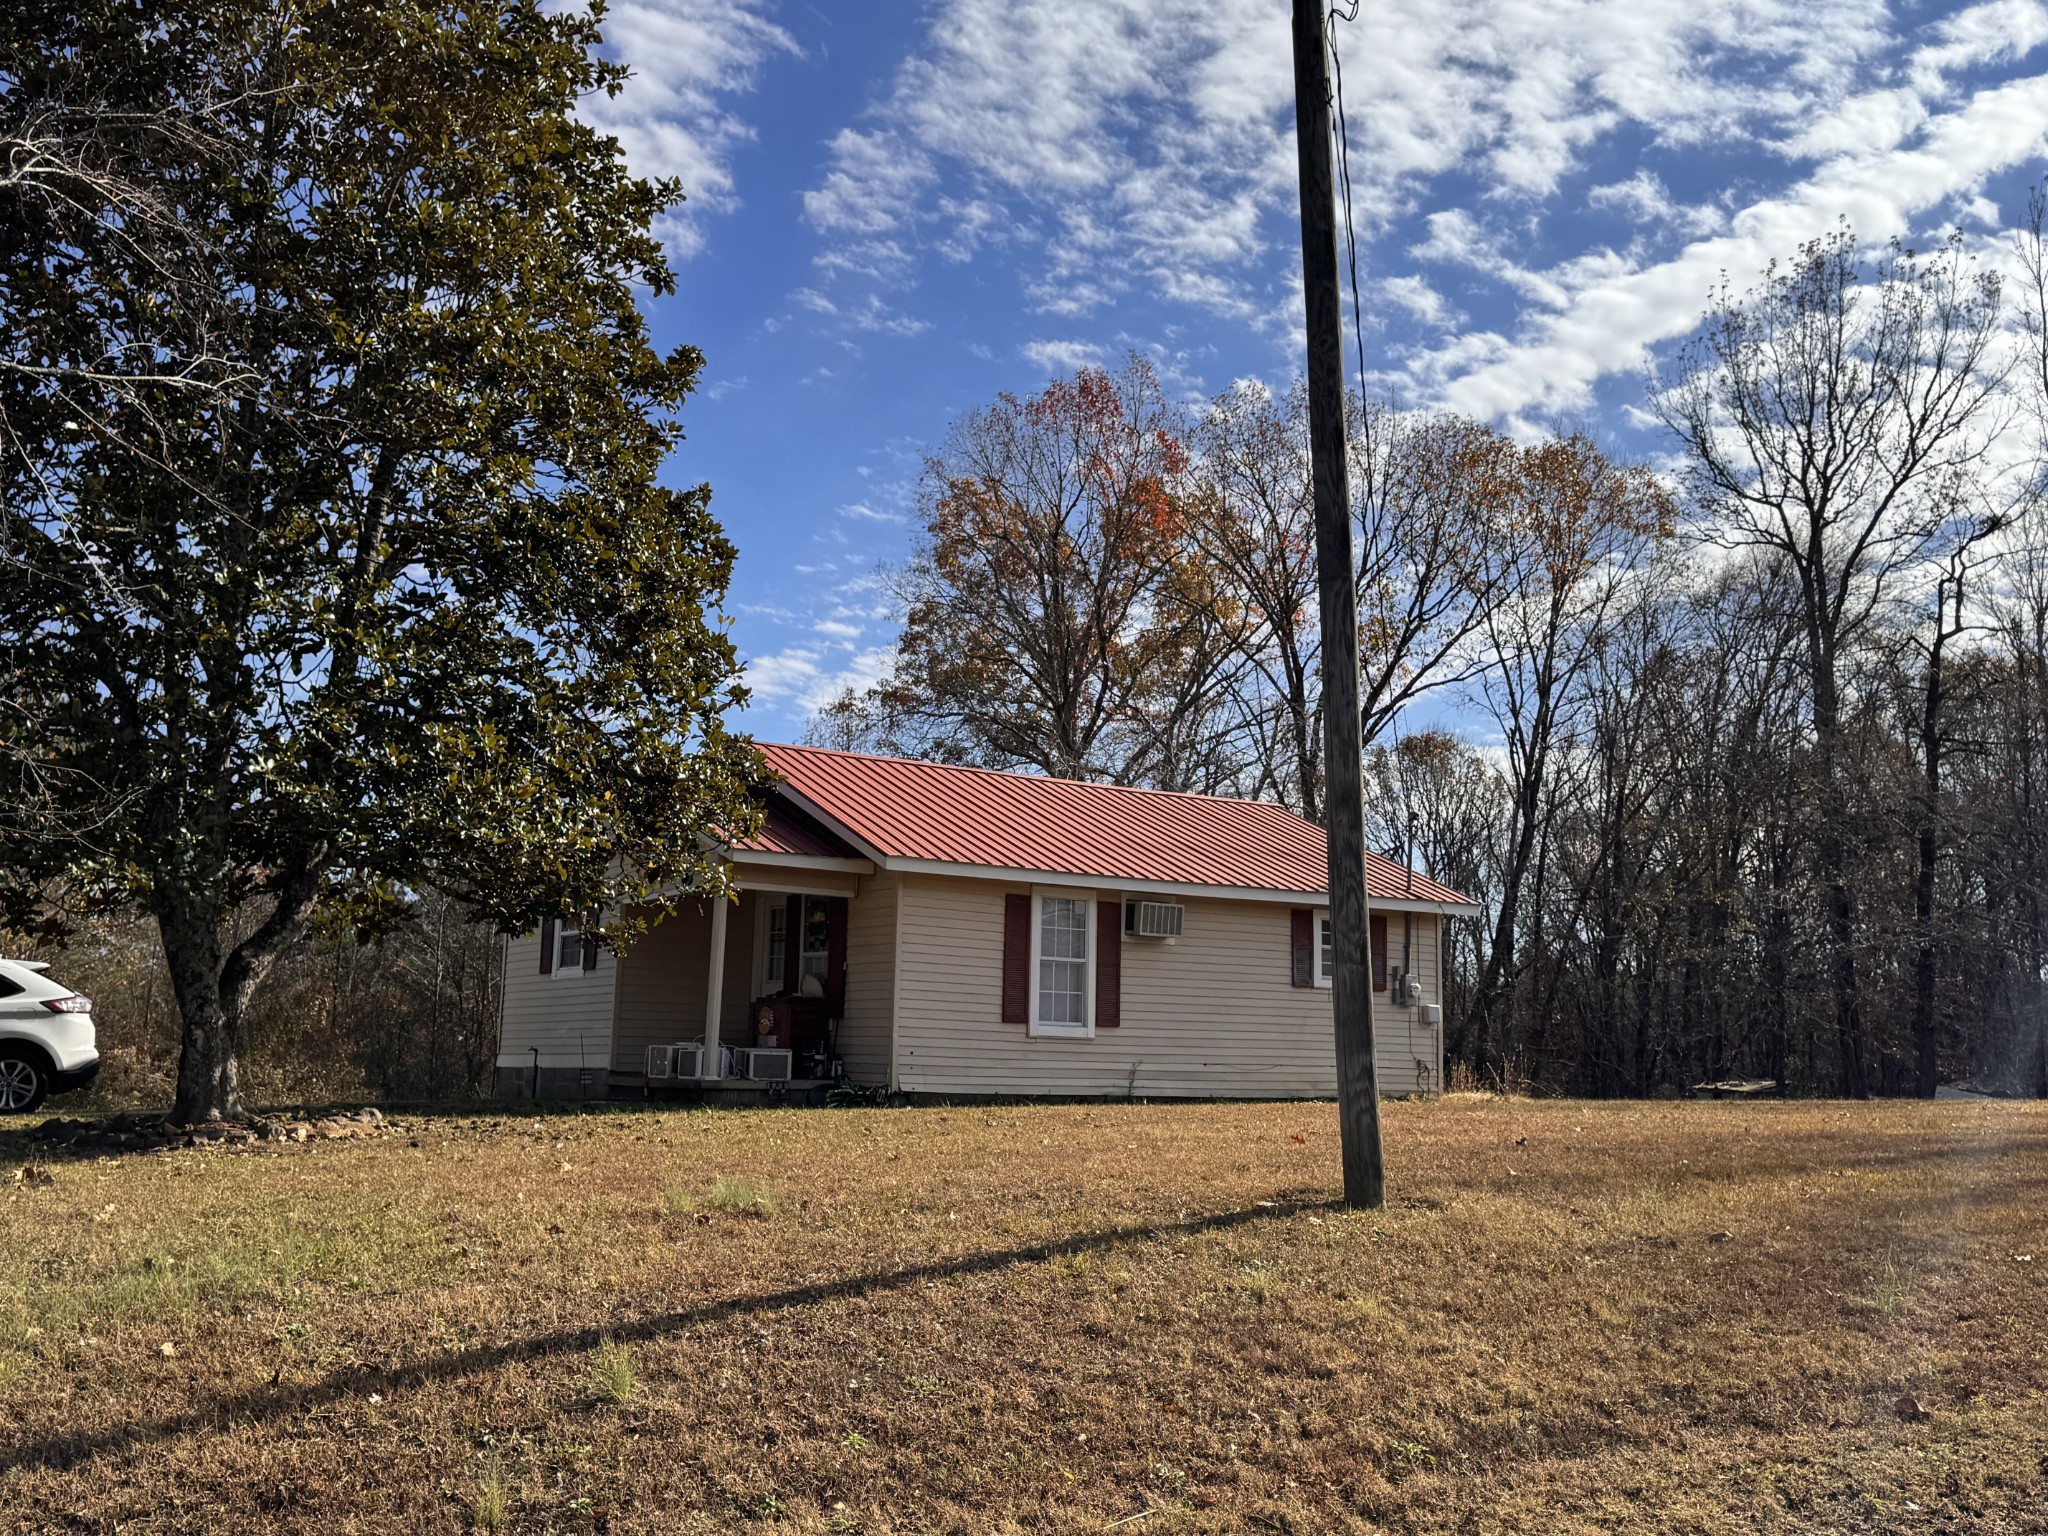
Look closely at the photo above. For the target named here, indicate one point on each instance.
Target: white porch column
(714, 987)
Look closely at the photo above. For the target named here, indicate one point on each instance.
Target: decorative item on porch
(801, 1024)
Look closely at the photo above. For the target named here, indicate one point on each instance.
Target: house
(962, 932)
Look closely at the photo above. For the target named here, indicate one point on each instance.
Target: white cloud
(1605, 315)
(1415, 295)
(1977, 35)
(1064, 356)
(1137, 146)
(674, 117)
(811, 677)
(1644, 198)
(867, 313)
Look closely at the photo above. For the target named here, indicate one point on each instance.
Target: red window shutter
(589, 951)
(1109, 964)
(1016, 959)
(1302, 929)
(835, 955)
(792, 942)
(547, 946)
(1379, 952)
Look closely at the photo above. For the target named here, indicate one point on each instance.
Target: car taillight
(72, 1004)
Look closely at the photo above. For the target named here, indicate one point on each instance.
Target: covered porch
(748, 1000)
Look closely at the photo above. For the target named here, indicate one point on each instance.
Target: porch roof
(786, 830)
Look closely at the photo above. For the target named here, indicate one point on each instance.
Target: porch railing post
(714, 988)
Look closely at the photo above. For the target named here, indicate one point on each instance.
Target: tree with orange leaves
(1054, 615)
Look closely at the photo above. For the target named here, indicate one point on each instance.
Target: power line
(1338, 13)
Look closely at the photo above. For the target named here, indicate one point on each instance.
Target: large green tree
(335, 560)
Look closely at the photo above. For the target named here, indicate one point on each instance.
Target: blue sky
(897, 211)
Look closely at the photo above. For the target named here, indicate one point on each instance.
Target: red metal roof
(904, 809)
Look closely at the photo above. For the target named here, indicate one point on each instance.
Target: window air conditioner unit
(764, 1064)
(661, 1063)
(1159, 920)
(686, 1060)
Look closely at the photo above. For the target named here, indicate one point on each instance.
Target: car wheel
(24, 1083)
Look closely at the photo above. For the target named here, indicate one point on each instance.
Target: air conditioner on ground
(764, 1064)
(661, 1063)
(687, 1060)
(1158, 920)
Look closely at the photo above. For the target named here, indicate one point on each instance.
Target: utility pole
(1358, 1092)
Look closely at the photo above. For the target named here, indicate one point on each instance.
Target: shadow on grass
(60, 1452)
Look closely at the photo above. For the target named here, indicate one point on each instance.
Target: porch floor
(725, 1092)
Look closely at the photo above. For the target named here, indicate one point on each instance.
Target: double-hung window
(814, 952)
(810, 934)
(775, 949)
(1326, 949)
(568, 951)
(1062, 964)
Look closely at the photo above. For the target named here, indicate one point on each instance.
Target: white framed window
(1326, 952)
(776, 947)
(1062, 963)
(814, 941)
(568, 950)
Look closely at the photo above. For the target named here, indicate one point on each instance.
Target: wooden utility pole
(1358, 1092)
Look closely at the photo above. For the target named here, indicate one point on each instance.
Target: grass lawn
(1146, 1318)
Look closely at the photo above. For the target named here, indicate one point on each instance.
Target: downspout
(902, 888)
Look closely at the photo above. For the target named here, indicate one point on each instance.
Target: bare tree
(1580, 526)
(1254, 526)
(1433, 495)
(1438, 500)
(1836, 422)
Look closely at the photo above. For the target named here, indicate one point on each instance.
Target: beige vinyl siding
(568, 1017)
(663, 976)
(1410, 1052)
(870, 980)
(1215, 1015)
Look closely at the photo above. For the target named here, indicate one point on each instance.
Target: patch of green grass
(1414, 1452)
(491, 1505)
(611, 1373)
(742, 1197)
(679, 1200)
(1890, 1289)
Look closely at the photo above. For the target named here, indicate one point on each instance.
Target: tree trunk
(213, 990)
(1497, 979)
(1926, 1062)
(1833, 858)
(209, 1082)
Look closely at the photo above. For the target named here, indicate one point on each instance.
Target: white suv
(46, 1037)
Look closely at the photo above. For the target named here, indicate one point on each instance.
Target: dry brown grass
(1572, 1317)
